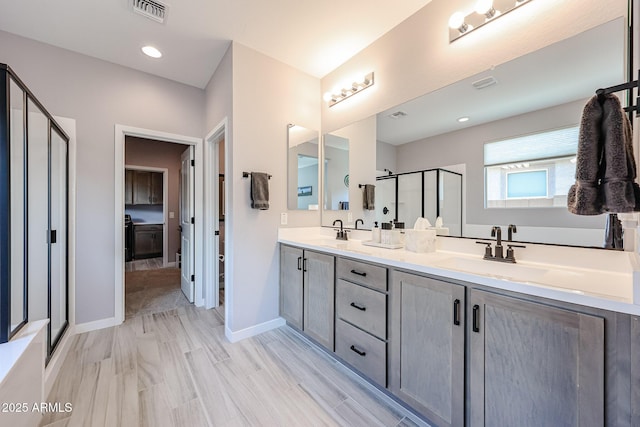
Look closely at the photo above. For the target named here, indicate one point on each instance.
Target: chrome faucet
(498, 256)
(361, 222)
(342, 234)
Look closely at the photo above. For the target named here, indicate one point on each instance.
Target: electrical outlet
(284, 218)
(350, 217)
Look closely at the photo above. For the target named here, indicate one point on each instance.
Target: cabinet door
(427, 346)
(534, 365)
(128, 187)
(291, 285)
(635, 371)
(144, 243)
(142, 188)
(157, 242)
(156, 188)
(319, 286)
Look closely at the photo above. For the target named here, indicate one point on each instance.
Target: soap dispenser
(375, 233)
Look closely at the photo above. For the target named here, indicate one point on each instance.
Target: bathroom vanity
(464, 341)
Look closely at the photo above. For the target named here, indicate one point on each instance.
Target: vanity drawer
(364, 352)
(363, 307)
(362, 273)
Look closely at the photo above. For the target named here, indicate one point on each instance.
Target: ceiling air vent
(151, 9)
(484, 83)
(398, 115)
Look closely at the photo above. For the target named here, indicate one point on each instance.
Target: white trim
(165, 202)
(121, 132)
(253, 330)
(69, 126)
(171, 264)
(212, 215)
(95, 325)
(52, 370)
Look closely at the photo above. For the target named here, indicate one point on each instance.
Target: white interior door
(187, 280)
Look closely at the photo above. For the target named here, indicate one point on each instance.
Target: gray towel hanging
(259, 190)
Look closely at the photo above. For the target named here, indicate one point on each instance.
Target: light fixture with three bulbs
(484, 11)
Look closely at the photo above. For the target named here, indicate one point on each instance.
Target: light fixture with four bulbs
(344, 93)
(484, 11)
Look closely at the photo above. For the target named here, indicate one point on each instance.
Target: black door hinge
(193, 162)
(193, 278)
(216, 233)
(53, 236)
(193, 220)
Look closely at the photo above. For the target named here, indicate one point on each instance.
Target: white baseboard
(171, 264)
(53, 368)
(95, 325)
(253, 330)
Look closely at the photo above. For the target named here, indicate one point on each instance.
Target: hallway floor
(149, 291)
(176, 368)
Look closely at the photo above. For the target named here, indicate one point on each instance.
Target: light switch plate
(350, 217)
(284, 218)
(172, 215)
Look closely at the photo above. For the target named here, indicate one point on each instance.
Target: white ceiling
(312, 36)
(563, 72)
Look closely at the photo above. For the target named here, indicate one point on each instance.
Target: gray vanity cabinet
(291, 290)
(532, 364)
(427, 330)
(307, 292)
(319, 276)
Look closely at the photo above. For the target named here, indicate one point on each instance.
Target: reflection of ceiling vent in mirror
(151, 9)
(484, 83)
(397, 115)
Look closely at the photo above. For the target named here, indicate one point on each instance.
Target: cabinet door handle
(476, 318)
(456, 312)
(359, 307)
(299, 263)
(359, 273)
(360, 352)
(304, 264)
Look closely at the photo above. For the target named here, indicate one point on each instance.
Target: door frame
(212, 153)
(165, 199)
(122, 131)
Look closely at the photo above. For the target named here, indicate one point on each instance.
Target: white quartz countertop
(590, 277)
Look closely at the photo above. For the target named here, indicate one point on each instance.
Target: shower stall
(429, 194)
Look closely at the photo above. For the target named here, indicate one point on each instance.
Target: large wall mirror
(303, 168)
(529, 105)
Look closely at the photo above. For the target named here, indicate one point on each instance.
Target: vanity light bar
(356, 87)
(485, 11)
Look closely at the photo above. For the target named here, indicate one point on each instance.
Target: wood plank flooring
(143, 264)
(176, 368)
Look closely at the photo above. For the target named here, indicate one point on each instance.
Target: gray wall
(466, 146)
(99, 94)
(386, 156)
(261, 105)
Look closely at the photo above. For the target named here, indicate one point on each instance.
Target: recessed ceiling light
(151, 51)
(463, 119)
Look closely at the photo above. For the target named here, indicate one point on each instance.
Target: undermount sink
(514, 272)
(579, 281)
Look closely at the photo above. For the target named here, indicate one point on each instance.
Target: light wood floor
(175, 368)
(143, 264)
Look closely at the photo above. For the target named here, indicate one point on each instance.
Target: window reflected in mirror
(303, 168)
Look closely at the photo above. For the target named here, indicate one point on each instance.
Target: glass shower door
(58, 235)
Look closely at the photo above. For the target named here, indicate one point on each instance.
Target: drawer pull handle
(359, 307)
(360, 352)
(456, 312)
(359, 273)
(476, 318)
